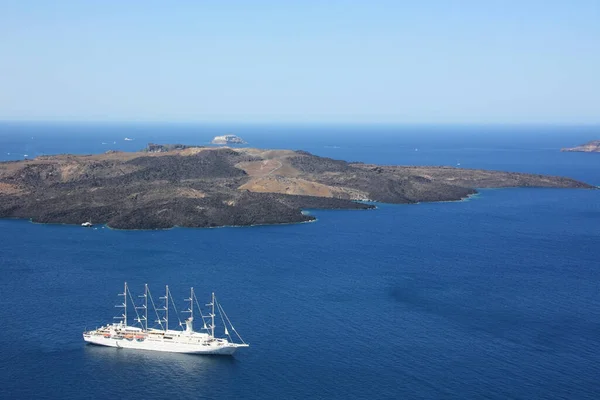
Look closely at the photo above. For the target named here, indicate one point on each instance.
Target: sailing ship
(161, 338)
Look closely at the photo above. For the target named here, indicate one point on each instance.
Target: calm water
(496, 297)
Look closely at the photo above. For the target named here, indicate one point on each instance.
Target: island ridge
(176, 185)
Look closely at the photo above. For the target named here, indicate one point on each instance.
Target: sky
(353, 61)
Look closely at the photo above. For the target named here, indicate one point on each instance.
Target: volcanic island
(165, 186)
(589, 147)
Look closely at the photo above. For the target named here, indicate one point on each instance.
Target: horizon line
(295, 122)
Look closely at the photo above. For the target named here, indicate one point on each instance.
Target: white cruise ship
(141, 337)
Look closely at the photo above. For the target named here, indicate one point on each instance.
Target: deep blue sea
(496, 297)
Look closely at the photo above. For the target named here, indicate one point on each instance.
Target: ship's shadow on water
(139, 357)
(180, 369)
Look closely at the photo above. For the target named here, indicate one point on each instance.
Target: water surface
(495, 297)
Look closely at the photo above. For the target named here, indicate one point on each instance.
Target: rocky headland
(589, 147)
(177, 185)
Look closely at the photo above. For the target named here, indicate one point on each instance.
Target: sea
(495, 297)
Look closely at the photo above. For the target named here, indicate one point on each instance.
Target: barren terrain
(176, 185)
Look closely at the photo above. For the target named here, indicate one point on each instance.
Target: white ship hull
(164, 345)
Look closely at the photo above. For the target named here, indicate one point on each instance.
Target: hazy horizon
(304, 123)
(383, 62)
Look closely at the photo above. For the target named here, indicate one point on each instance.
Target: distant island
(589, 147)
(178, 185)
(228, 139)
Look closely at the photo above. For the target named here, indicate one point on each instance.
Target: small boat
(87, 224)
(162, 338)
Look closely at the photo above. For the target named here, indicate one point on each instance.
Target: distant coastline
(589, 147)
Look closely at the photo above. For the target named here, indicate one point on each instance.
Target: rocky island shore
(177, 185)
(589, 147)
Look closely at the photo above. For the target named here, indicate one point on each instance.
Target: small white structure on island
(228, 139)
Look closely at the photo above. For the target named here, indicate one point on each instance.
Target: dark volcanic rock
(177, 185)
(162, 148)
(208, 165)
(319, 165)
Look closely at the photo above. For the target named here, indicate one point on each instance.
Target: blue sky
(420, 61)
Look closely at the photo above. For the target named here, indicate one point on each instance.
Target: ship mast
(145, 307)
(189, 323)
(166, 309)
(212, 316)
(192, 303)
(146, 303)
(191, 307)
(124, 305)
